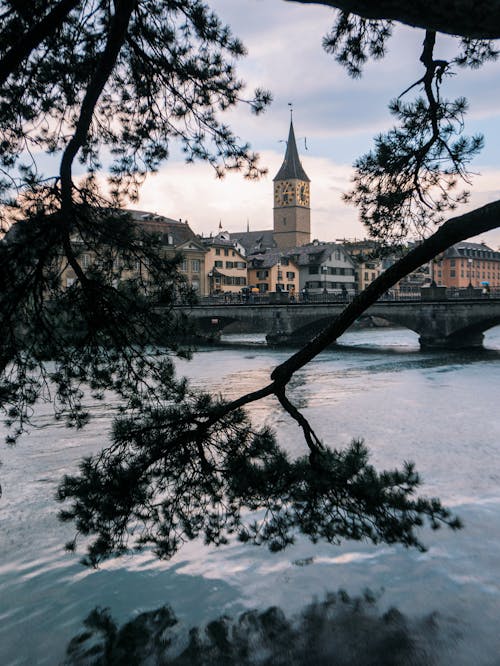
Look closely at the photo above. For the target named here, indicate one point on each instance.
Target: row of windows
(465, 262)
(195, 265)
(481, 254)
(279, 286)
(332, 270)
(226, 252)
(337, 254)
(472, 274)
(230, 264)
(316, 284)
(231, 280)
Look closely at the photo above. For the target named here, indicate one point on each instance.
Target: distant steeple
(220, 225)
(248, 225)
(291, 167)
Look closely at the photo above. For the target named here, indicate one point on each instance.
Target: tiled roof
(465, 248)
(265, 260)
(163, 226)
(302, 254)
(254, 241)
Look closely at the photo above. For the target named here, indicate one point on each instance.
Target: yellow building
(271, 272)
(225, 265)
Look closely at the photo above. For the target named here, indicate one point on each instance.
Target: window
(85, 260)
(218, 264)
(233, 253)
(229, 264)
(195, 265)
(217, 251)
(240, 264)
(452, 272)
(313, 270)
(184, 265)
(290, 275)
(226, 253)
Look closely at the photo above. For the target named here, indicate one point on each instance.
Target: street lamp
(431, 267)
(325, 272)
(210, 276)
(469, 261)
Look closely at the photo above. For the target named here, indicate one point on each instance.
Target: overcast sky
(337, 115)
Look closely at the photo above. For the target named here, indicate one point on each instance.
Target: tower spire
(291, 167)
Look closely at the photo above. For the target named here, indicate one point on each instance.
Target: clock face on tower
(303, 194)
(291, 193)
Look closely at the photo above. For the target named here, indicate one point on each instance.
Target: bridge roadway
(451, 324)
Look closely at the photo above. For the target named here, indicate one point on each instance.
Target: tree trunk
(479, 19)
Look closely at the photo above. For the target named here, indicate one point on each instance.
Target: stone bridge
(451, 324)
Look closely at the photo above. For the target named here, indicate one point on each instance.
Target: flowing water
(439, 409)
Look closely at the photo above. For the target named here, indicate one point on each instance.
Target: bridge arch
(441, 323)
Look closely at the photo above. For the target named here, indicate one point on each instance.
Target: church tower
(292, 215)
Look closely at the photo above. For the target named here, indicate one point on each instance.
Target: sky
(334, 115)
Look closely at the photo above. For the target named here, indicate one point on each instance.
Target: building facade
(225, 265)
(175, 237)
(468, 264)
(324, 268)
(273, 272)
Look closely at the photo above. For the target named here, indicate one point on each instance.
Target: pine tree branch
(31, 39)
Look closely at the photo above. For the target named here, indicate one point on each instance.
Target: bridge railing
(339, 297)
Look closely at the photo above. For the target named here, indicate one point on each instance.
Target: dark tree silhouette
(466, 18)
(123, 78)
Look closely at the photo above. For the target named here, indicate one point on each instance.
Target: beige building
(176, 237)
(225, 265)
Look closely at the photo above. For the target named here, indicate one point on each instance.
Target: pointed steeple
(291, 167)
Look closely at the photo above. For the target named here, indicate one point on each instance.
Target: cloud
(192, 192)
(337, 116)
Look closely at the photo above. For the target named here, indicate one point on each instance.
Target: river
(439, 409)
